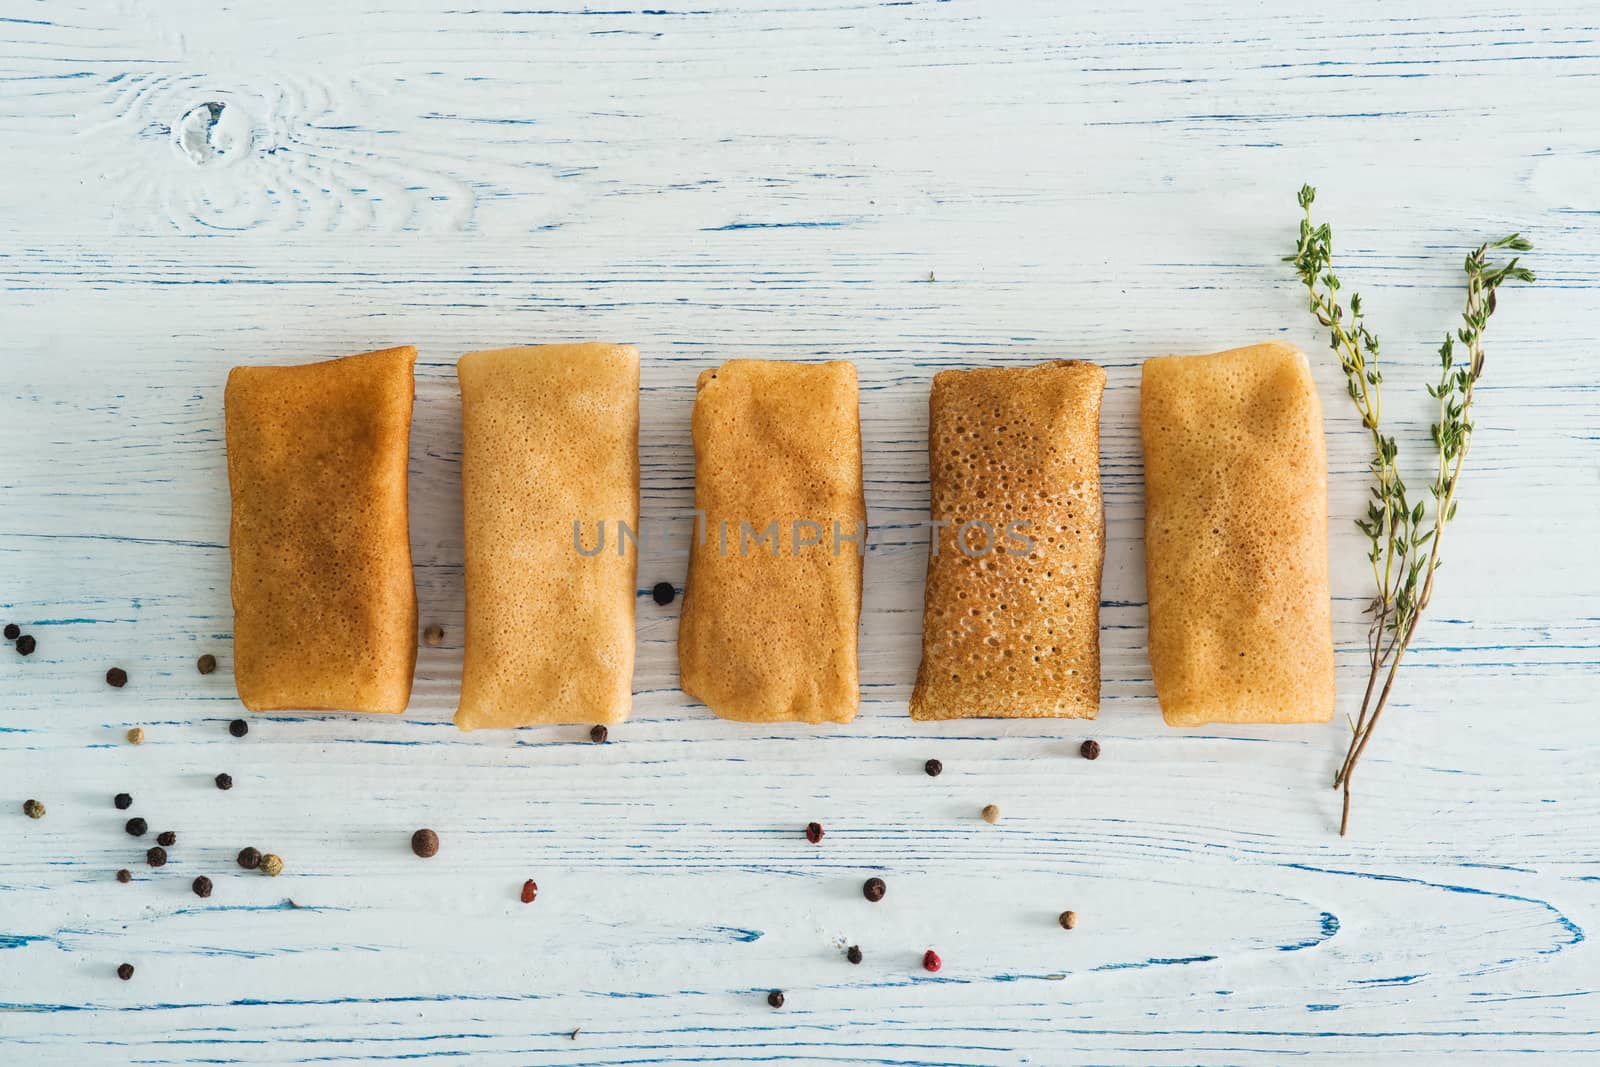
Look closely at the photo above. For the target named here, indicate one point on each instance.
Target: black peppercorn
(123, 801)
(1089, 750)
(934, 768)
(124, 876)
(33, 809)
(13, 631)
(874, 889)
(249, 858)
(156, 857)
(425, 843)
(238, 727)
(224, 781)
(206, 663)
(854, 954)
(814, 832)
(125, 972)
(116, 677)
(775, 998)
(598, 734)
(664, 593)
(26, 644)
(167, 838)
(201, 886)
(136, 826)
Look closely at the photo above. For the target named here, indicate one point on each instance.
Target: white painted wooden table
(192, 185)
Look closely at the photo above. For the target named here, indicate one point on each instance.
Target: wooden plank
(912, 186)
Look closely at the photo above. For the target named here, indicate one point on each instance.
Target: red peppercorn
(530, 889)
(814, 832)
(931, 961)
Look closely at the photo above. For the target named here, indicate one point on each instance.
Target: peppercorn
(136, 826)
(775, 998)
(598, 734)
(1089, 749)
(425, 843)
(201, 886)
(853, 954)
(136, 736)
(814, 832)
(931, 961)
(271, 865)
(156, 856)
(123, 801)
(874, 889)
(116, 677)
(663, 593)
(433, 636)
(249, 858)
(33, 809)
(124, 876)
(206, 663)
(26, 644)
(125, 972)
(224, 781)
(530, 889)
(934, 768)
(991, 813)
(238, 727)
(1068, 920)
(167, 838)
(13, 631)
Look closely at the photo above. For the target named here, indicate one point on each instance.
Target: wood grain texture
(913, 186)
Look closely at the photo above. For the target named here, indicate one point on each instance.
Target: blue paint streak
(770, 226)
(1572, 928)
(1154, 961)
(19, 940)
(1330, 926)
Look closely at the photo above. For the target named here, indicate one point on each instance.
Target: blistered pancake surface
(1011, 613)
(550, 437)
(1236, 537)
(768, 630)
(324, 606)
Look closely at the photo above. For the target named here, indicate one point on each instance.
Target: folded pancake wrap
(1011, 613)
(324, 605)
(549, 480)
(768, 630)
(1236, 537)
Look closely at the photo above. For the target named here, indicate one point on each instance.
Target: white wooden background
(191, 185)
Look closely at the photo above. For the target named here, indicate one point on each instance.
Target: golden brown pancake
(1236, 537)
(768, 631)
(324, 606)
(1011, 614)
(550, 437)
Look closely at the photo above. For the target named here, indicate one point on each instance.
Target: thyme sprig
(1404, 535)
